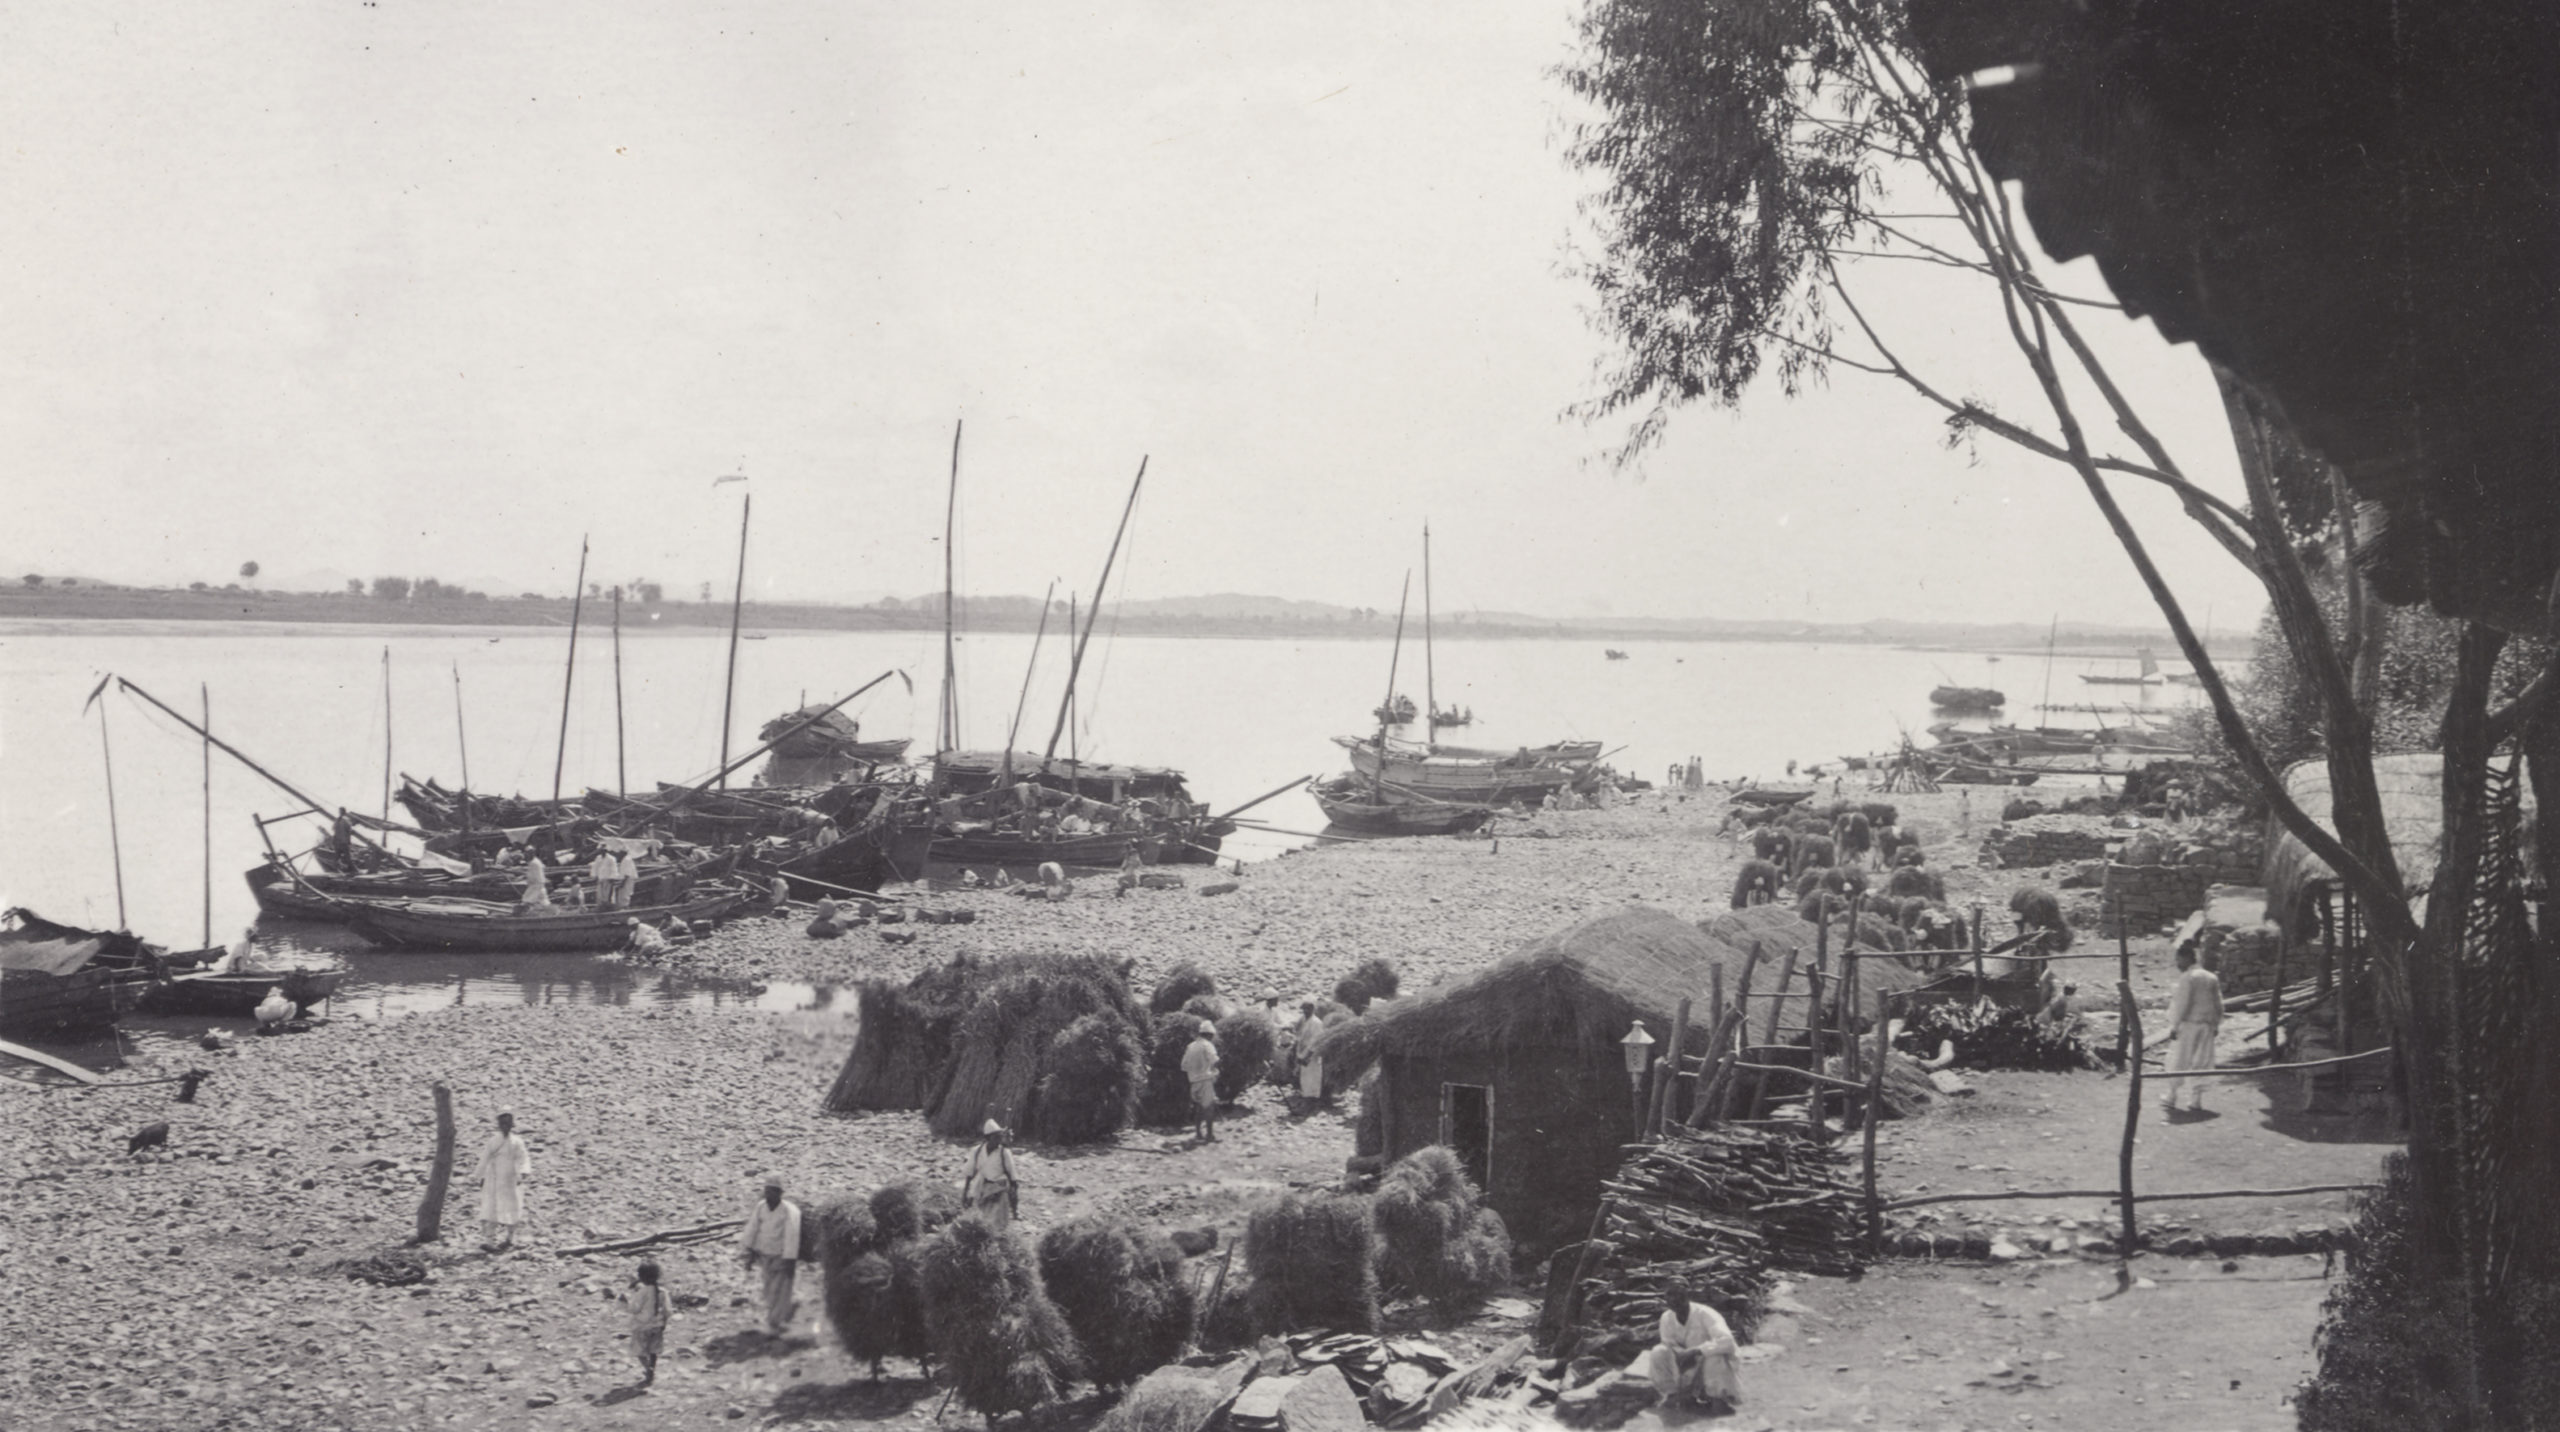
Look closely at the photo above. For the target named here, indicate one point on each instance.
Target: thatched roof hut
(2412, 788)
(1519, 1070)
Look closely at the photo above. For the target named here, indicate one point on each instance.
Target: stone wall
(2146, 899)
(2043, 840)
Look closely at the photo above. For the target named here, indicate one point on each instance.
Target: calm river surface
(1240, 716)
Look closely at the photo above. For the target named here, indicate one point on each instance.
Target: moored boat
(239, 992)
(1355, 805)
(499, 929)
(1974, 699)
(61, 979)
(1523, 776)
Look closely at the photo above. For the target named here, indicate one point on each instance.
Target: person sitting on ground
(826, 926)
(644, 940)
(1053, 880)
(1695, 1363)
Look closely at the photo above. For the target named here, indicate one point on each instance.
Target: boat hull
(1372, 817)
(490, 929)
(1102, 850)
(34, 1005)
(240, 993)
(1467, 780)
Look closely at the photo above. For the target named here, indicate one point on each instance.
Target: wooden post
(1769, 1036)
(1664, 1090)
(2328, 949)
(1818, 1025)
(2275, 1007)
(1977, 950)
(2124, 971)
(1716, 1101)
(1875, 1110)
(2132, 1118)
(431, 1209)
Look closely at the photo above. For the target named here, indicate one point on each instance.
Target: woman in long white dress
(503, 1165)
(1696, 1360)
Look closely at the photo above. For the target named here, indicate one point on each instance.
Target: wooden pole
(1430, 687)
(1014, 731)
(122, 684)
(204, 694)
(2275, 1007)
(2132, 1119)
(2124, 967)
(1850, 997)
(621, 770)
(440, 1175)
(386, 736)
(1875, 1112)
(2328, 948)
(1663, 1091)
(1817, 1033)
(1769, 1036)
(947, 733)
(115, 834)
(462, 738)
(737, 613)
(1075, 663)
(1713, 1046)
(577, 604)
(1977, 949)
(1731, 1030)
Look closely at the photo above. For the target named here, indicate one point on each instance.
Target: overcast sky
(431, 289)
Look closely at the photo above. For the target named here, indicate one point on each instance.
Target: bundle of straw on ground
(1314, 1264)
(1436, 1238)
(1003, 1343)
(1719, 1213)
(902, 1058)
(1123, 1293)
(1211, 1007)
(1180, 985)
(1245, 1046)
(1371, 979)
(1004, 1041)
(1089, 1083)
(1166, 1404)
(866, 1250)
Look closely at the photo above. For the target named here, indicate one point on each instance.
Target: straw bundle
(1180, 985)
(1436, 1238)
(989, 1321)
(1313, 1264)
(902, 1056)
(1246, 1042)
(1122, 1291)
(1004, 1042)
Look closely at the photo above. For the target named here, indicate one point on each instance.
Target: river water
(1240, 716)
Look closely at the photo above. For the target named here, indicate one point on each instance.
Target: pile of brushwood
(1719, 1212)
(1988, 1036)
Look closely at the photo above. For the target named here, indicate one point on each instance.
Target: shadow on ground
(750, 1344)
(861, 1400)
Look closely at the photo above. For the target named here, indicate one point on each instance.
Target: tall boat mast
(1015, 731)
(386, 720)
(737, 607)
(1430, 694)
(2049, 634)
(947, 733)
(1075, 664)
(1395, 654)
(577, 599)
(621, 774)
(204, 694)
(461, 738)
(115, 836)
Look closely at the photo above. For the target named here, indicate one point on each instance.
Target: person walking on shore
(650, 1309)
(2195, 1012)
(989, 1188)
(1200, 1066)
(1310, 1063)
(771, 1241)
(504, 1162)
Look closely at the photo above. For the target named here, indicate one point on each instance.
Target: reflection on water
(383, 985)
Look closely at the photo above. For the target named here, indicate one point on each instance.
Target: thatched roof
(1580, 987)
(2412, 811)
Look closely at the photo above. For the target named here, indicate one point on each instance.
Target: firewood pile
(1719, 1212)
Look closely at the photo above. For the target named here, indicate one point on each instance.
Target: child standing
(650, 1307)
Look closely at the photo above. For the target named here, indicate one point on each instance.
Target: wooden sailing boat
(2150, 675)
(1365, 803)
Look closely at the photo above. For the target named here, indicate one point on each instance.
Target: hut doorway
(1466, 1127)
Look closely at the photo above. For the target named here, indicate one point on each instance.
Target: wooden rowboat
(240, 992)
(1352, 804)
(499, 929)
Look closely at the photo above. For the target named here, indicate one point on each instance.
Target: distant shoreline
(307, 609)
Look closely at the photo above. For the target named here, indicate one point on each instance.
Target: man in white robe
(1696, 1362)
(537, 884)
(1310, 1064)
(606, 872)
(2195, 1013)
(989, 1188)
(504, 1163)
(626, 880)
(771, 1241)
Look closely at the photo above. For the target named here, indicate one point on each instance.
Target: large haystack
(1006, 1041)
(902, 1052)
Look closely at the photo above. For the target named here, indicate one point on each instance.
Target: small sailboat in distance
(2150, 673)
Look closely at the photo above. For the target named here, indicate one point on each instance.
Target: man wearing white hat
(771, 1240)
(503, 1166)
(989, 1189)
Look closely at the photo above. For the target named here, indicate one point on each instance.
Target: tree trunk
(439, 1178)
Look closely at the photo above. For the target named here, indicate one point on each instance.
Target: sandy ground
(189, 1287)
